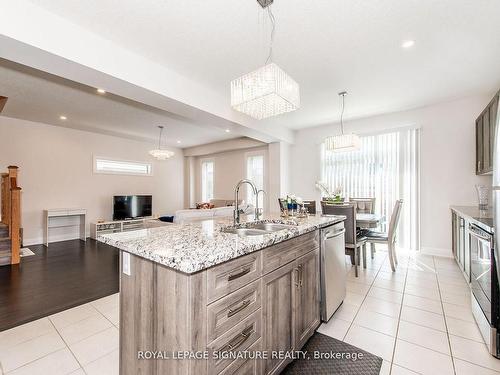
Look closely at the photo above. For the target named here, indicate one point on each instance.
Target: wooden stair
(10, 225)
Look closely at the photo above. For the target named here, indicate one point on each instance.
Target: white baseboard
(53, 238)
(436, 251)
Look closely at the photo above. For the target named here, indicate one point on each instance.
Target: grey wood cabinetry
(308, 298)
(485, 137)
(461, 243)
(267, 300)
(278, 314)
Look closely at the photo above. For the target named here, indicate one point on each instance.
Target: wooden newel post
(5, 199)
(15, 223)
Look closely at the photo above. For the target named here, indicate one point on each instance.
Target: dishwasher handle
(330, 235)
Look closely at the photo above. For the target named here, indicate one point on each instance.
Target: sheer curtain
(385, 167)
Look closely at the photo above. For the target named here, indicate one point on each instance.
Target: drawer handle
(243, 272)
(243, 305)
(239, 340)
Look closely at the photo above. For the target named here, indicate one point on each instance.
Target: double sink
(256, 229)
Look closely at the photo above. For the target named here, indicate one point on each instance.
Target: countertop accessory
(482, 195)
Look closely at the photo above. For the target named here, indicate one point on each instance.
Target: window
(255, 173)
(114, 166)
(386, 168)
(207, 181)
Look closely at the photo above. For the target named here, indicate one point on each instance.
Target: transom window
(115, 166)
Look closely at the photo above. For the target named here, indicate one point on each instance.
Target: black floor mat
(344, 359)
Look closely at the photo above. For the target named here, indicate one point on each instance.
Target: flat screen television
(132, 206)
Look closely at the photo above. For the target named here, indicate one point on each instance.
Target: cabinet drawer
(249, 366)
(227, 277)
(239, 338)
(278, 255)
(225, 313)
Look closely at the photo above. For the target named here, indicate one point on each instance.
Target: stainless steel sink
(269, 227)
(246, 231)
(256, 229)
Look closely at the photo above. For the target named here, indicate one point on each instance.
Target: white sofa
(204, 214)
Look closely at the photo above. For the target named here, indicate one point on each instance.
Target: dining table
(368, 220)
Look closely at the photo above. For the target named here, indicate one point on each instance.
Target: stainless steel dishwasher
(333, 269)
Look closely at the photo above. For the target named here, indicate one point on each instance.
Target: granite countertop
(194, 246)
(484, 217)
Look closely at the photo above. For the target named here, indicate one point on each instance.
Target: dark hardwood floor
(65, 275)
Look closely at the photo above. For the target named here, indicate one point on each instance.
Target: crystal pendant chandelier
(159, 153)
(267, 91)
(342, 142)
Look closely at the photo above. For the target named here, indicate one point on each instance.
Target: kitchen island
(195, 299)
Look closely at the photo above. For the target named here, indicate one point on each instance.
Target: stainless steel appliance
(333, 269)
(495, 253)
(484, 285)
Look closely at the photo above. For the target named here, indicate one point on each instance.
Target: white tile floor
(417, 319)
(81, 340)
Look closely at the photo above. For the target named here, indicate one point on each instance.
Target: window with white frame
(255, 173)
(207, 180)
(126, 167)
(384, 168)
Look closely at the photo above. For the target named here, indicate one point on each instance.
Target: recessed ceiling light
(408, 43)
(63, 117)
(178, 142)
(227, 130)
(101, 91)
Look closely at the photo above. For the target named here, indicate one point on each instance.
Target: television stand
(116, 226)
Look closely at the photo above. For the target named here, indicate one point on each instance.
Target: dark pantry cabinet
(485, 137)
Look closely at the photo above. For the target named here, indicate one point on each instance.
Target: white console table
(65, 217)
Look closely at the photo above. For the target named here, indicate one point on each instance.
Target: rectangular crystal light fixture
(343, 142)
(265, 92)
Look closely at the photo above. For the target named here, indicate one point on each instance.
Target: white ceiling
(326, 45)
(37, 96)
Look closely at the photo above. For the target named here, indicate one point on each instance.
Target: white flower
(299, 200)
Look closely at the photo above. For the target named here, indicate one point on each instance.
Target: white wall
(229, 168)
(447, 161)
(56, 171)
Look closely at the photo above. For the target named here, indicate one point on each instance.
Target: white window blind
(386, 168)
(114, 166)
(255, 173)
(207, 181)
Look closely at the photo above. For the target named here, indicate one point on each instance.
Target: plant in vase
(329, 196)
(292, 203)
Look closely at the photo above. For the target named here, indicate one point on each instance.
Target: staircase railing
(11, 210)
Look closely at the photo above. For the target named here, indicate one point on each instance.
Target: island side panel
(181, 319)
(137, 301)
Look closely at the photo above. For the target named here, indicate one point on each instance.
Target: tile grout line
(36, 359)
(399, 319)
(445, 322)
(67, 346)
(364, 298)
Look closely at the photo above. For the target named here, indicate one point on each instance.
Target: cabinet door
(479, 145)
(467, 250)
(493, 126)
(308, 298)
(486, 142)
(461, 243)
(278, 302)
(454, 236)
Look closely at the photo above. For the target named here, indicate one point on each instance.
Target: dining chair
(282, 204)
(311, 207)
(388, 238)
(353, 241)
(364, 205)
